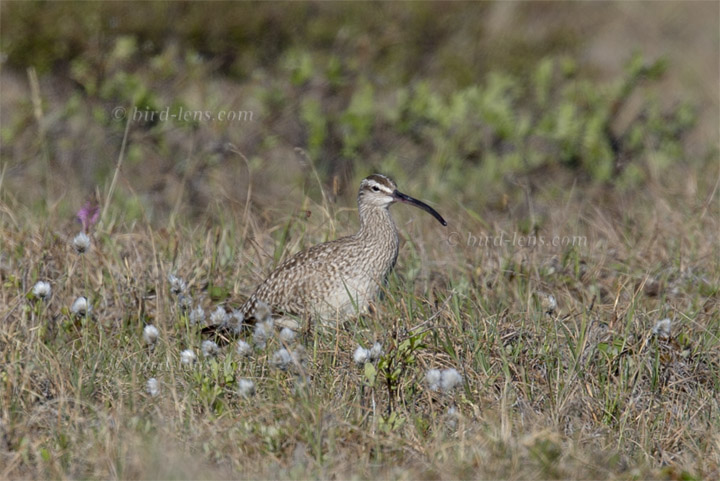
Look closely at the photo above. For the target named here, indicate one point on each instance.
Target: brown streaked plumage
(337, 279)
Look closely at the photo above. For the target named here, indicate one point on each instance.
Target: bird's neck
(378, 230)
(374, 221)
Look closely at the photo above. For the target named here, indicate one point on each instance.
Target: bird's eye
(375, 188)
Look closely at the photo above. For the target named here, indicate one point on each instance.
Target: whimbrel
(337, 279)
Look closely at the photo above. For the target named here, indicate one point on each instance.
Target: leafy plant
(392, 369)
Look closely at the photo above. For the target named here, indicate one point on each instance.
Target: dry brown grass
(582, 391)
(586, 391)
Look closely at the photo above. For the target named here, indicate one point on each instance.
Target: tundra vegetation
(125, 224)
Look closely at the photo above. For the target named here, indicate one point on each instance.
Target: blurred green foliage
(333, 80)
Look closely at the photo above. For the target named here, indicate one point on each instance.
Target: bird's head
(378, 190)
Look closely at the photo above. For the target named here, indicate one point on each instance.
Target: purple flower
(88, 215)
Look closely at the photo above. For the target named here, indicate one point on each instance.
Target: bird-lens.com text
(179, 114)
(515, 239)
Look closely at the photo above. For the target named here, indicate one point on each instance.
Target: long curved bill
(418, 203)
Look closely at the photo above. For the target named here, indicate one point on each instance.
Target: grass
(585, 390)
(522, 124)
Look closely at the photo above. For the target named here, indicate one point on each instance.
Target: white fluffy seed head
(662, 328)
(188, 356)
(281, 359)
(237, 316)
(433, 377)
(243, 348)
(153, 387)
(80, 307)
(261, 333)
(209, 348)
(361, 355)
(81, 243)
(246, 387)
(197, 316)
(219, 316)
(445, 380)
(287, 335)
(177, 285)
(150, 334)
(237, 319)
(450, 379)
(42, 290)
(184, 302)
(376, 352)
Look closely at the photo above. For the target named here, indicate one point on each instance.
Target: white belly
(347, 300)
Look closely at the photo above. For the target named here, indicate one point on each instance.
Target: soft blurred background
(460, 102)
